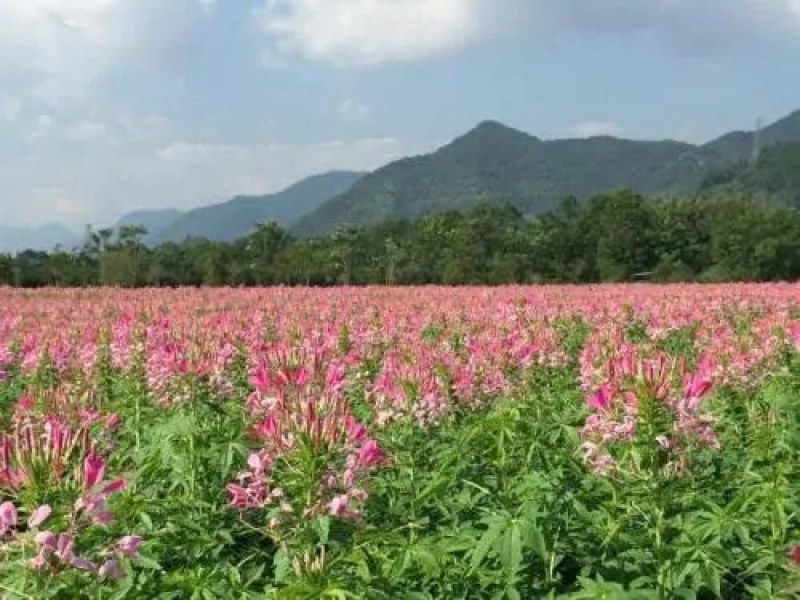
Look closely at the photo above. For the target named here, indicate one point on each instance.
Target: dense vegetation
(495, 161)
(774, 175)
(628, 442)
(492, 163)
(619, 236)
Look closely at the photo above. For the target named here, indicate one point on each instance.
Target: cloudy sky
(112, 105)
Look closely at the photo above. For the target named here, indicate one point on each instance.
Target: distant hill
(17, 239)
(156, 221)
(739, 145)
(496, 162)
(775, 174)
(237, 217)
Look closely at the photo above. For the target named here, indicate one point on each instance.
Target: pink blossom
(112, 569)
(602, 398)
(8, 516)
(94, 469)
(129, 545)
(39, 516)
(338, 506)
(370, 454)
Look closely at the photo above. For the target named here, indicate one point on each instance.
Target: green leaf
(281, 565)
(511, 550)
(490, 536)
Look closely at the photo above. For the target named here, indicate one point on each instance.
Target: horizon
(115, 106)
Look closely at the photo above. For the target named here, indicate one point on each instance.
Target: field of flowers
(617, 442)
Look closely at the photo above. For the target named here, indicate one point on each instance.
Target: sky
(108, 106)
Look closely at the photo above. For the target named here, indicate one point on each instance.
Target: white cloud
(595, 128)
(58, 50)
(368, 32)
(58, 47)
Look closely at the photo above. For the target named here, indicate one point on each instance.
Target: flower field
(511, 442)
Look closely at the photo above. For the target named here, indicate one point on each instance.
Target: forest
(614, 237)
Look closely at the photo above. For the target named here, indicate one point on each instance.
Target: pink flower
(796, 555)
(102, 517)
(238, 496)
(39, 516)
(113, 421)
(370, 454)
(38, 562)
(338, 506)
(94, 469)
(8, 516)
(794, 334)
(602, 398)
(79, 562)
(46, 539)
(111, 569)
(260, 379)
(114, 487)
(129, 545)
(65, 543)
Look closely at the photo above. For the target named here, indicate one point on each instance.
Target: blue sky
(112, 105)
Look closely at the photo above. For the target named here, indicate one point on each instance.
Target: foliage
(618, 236)
(613, 442)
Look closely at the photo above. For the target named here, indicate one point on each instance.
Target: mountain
(155, 221)
(496, 162)
(739, 145)
(237, 217)
(17, 239)
(775, 175)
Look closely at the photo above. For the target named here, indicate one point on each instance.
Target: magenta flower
(129, 545)
(94, 469)
(370, 454)
(602, 398)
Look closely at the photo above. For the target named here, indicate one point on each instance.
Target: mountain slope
(496, 162)
(739, 145)
(155, 221)
(776, 175)
(236, 218)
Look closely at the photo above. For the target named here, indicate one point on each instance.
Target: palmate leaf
(496, 528)
(510, 550)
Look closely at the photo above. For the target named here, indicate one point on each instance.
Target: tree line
(614, 237)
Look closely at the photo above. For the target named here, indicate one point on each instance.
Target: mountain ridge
(493, 161)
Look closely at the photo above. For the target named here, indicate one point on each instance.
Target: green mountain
(774, 175)
(740, 145)
(496, 162)
(236, 218)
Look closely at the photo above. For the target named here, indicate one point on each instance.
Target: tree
(262, 247)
